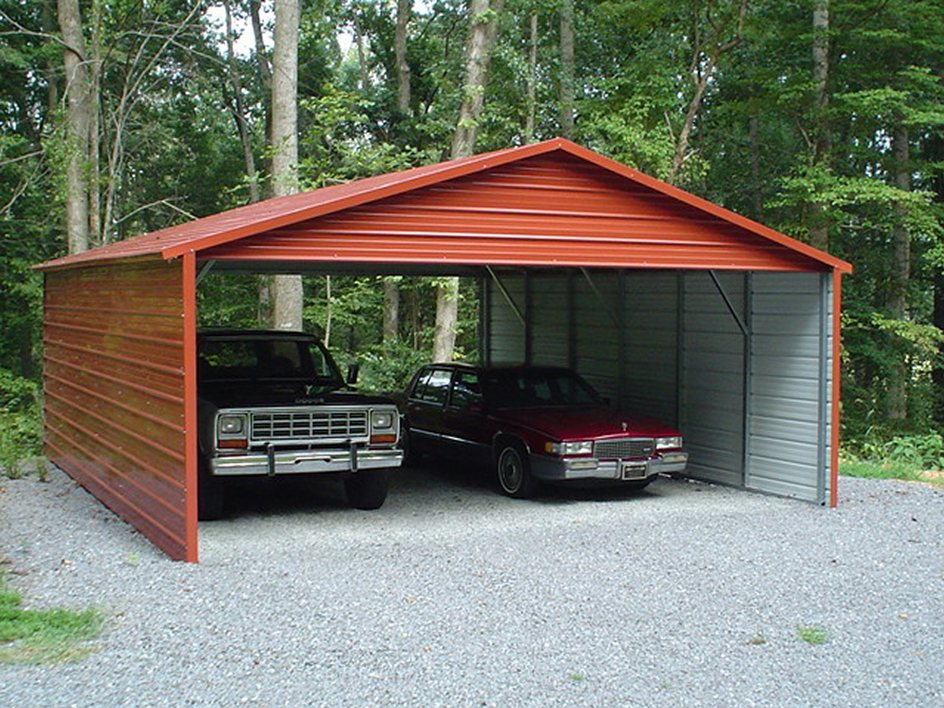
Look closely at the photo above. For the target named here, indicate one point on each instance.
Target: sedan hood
(584, 423)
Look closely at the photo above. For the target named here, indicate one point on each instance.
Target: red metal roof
(219, 232)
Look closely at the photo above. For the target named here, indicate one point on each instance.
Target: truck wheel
(514, 472)
(210, 497)
(367, 490)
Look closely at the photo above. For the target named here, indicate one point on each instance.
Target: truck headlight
(381, 420)
(671, 443)
(577, 447)
(231, 424)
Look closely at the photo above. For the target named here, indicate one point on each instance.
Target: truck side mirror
(353, 369)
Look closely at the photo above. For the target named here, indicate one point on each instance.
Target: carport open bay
(454, 595)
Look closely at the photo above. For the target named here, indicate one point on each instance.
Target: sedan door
(464, 432)
(424, 410)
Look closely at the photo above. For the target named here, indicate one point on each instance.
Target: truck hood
(235, 395)
(584, 423)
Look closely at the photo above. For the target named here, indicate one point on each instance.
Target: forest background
(821, 118)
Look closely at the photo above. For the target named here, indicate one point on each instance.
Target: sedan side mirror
(353, 369)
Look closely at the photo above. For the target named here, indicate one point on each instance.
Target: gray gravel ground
(686, 594)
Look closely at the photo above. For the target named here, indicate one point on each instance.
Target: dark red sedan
(533, 424)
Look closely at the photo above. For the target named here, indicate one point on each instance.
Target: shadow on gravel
(422, 487)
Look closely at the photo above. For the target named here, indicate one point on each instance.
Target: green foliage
(812, 635)
(21, 425)
(44, 636)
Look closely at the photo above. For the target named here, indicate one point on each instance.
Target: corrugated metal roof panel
(510, 191)
(525, 213)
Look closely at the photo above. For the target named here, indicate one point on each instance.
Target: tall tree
(404, 8)
(567, 68)
(78, 119)
(897, 398)
(822, 138)
(713, 35)
(483, 19)
(483, 29)
(237, 108)
(287, 292)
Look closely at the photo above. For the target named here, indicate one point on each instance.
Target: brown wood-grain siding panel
(546, 210)
(114, 390)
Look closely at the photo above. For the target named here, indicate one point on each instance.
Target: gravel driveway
(686, 594)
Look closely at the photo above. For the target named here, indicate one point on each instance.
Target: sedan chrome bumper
(305, 462)
(567, 468)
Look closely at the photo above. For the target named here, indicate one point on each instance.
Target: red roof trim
(260, 217)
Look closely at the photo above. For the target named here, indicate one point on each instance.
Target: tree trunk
(447, 316)
(391, 311)
(897, 400)
(532, 80)
(287, 294)
(756, 193)
(94, 149)
(49, 24)
(701, 70)
(78, 110)
(567, 68)
(482, 33)
(361, 53)
(822, 140)
(239, 112)
(404, 8)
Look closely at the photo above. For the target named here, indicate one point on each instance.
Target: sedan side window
(466, 391)
(437, 387)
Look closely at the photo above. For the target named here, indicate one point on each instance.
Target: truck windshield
(242, 359)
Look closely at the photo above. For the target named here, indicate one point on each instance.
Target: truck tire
(367, 490)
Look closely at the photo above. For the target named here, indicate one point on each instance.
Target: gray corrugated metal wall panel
(506, 331)
(712, 377)
(784, 431)
(550, 333)
(650, 372)
(597, 342)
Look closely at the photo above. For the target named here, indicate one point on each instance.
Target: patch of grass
(812, 635)
(888, 470)
(44, 636)
(577, 677)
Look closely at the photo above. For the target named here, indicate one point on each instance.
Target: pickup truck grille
(623, 448)
(309, 425)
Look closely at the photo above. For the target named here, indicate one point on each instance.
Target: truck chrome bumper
(304, 462)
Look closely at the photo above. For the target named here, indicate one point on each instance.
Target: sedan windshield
(532, 388)
(286, 359)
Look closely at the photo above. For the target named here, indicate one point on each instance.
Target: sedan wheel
(514, 473)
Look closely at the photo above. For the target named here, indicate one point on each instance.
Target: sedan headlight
(577, 447)
(232, 424)
(672, 443)
(381, 420)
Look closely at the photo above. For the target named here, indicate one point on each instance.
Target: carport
(668, 303)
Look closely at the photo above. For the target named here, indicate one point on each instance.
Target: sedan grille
(624, 448)
(313, 425)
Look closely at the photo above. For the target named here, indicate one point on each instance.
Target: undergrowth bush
(21, 425)
(925, 451)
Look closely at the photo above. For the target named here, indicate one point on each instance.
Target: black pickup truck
(275, 403)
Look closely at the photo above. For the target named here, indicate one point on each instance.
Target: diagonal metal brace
(505, 294)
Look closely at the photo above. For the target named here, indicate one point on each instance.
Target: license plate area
(633, 470)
